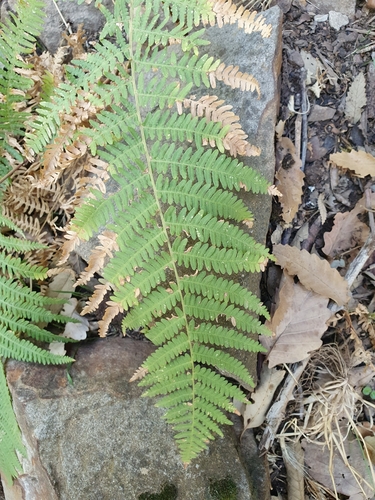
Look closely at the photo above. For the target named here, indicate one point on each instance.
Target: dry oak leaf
(327, 467)
(356, 98)
(254, 414)
(297, 324)
(348, 231)
(314, 273)
(360, 162)
(290, 177)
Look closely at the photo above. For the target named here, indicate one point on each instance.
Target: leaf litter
(319, 430)
(317, 416)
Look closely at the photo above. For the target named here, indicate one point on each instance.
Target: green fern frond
(24, 327)
(17, 38)
(224, 290)
(10, 436)
(195, 195)
(223, 261)
(177, 209)
(19, 307)
(189, 68)
(13, 266)
(23, 350)
(206, 167)
(13, 244)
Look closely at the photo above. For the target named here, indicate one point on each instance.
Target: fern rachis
(176, 213)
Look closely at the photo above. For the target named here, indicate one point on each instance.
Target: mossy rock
(169, 492)
(223, 489)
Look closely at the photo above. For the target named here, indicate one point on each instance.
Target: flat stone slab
(97, 439)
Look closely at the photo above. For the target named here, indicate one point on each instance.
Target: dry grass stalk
(332, 406)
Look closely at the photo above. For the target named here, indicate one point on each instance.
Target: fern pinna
(20, 309)
(17, 38)
(173, 227)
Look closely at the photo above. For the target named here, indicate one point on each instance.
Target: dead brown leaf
(314, 273)
(290, 177)
(297, 324)
(348, 231)
(360, 162)
(324, 468)
(370, 445)
(255, 413)
(356, 98)
(61, 287)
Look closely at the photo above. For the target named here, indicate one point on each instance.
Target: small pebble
(320, 18)
(337, 20)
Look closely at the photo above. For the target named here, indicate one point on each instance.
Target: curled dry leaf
(290, 177)
(255, 413)
(297, 324)
(322, 208)
(360, 162)
(314, 273)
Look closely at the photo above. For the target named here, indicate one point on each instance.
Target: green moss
(169, 492)
(224, 489)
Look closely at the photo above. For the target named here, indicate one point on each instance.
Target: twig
(68, 28)
(370, 212)
(277, 411)
(305, 106)
(297, 134)
(366, 251)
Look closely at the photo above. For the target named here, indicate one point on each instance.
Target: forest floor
(319, 431)
(317, 392)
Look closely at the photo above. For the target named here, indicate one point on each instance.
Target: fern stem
(157, 198)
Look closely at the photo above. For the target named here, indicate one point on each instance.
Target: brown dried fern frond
(215, 110)
(228, 13)
(60, 154)
(113, 309)
(76, 42)
(98, 256)
(97, 297)
(234, 78)
(26, 223)
(71, 242)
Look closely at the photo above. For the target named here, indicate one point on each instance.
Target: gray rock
(321, 113)
(62, 15)
(97, 439)
(346, 7)
(72, 14)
